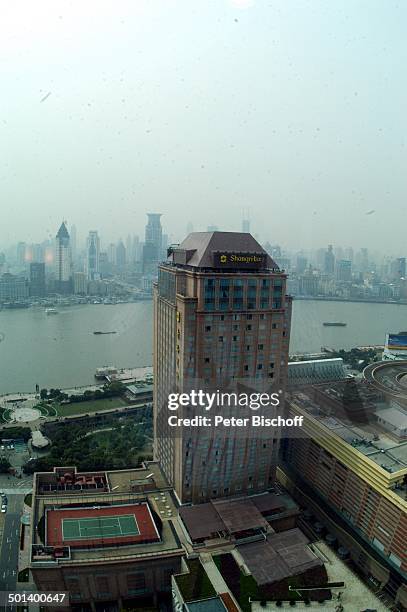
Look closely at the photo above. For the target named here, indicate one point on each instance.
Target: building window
(274, 326)
(248, 327)
(102, 586)
(208, 328)
(260, 366)
(75, 596)
(207, 359)
(246, 368)
(220, 338)
(136, 583)
(260, 347)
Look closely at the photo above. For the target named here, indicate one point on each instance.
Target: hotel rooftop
(98, 516)
(368, 416)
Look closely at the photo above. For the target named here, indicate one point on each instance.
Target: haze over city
(199, 110)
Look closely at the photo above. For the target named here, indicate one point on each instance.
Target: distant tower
(111, 254)
(63, 260)
(37, 279)
(129, 249)
(344, 270)
(136, 255)
(92, 255)
(398, 269)
(329, 264)
(152, 250)
(21, 253)
(246, 222)
(120, 255)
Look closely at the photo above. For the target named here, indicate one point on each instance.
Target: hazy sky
(197, 109)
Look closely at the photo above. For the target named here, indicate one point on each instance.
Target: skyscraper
(92, 255)
(111, 254)
(105, 267)
(344, 270)
(63, 260)
(137, 251)
(329, 263)
(37, 279)
(246, 221)
(21, 252)
(120, 255)
(152, 250)
(398, 269)
(301, 264)
(220, 314)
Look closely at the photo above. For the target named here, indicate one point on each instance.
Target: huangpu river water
(62, 351)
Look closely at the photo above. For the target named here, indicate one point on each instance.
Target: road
(11, 544)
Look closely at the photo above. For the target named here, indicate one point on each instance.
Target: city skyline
(106, 240)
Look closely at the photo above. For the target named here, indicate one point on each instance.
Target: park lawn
(104, 438)
(107, 403)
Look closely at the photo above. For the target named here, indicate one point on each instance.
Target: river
(62, 351)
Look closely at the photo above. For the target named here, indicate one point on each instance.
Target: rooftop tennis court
(99, 527)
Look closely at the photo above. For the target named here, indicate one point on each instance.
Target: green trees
(113, 389)
(5, 465)
(358, 359)
(16, 433)
(117, 448)
(53, 394)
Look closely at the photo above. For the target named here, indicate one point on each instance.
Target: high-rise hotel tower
(220, 314)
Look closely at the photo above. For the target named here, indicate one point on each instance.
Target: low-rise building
(108, 538)
(13, 288)
(349, 466)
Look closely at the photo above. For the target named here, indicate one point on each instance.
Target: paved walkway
(214, 575)
(24, 555)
